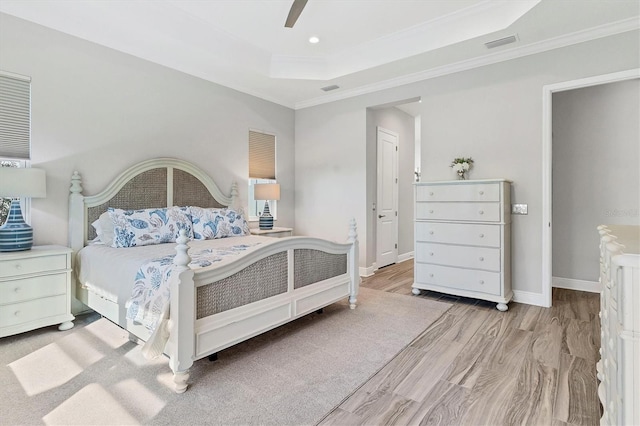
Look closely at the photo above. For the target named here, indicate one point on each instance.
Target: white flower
(465, 165)
(458, 167)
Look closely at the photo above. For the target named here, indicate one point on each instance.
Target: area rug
(293, 375)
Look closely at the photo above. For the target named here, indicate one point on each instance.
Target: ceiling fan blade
(294, 13)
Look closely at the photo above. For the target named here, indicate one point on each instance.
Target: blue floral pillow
(134, 228)
(217, 223)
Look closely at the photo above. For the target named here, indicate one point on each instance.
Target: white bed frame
(190, 338)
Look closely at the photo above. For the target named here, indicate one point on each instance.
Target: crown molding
(613, 28)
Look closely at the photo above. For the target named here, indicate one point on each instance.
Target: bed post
(181, 327)
(76, 229)
(354, 263)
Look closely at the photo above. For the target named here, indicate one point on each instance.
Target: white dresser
(619, 366)
(35, 289)
(463, 239)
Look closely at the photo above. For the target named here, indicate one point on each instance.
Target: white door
(387, 199)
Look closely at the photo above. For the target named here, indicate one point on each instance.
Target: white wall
(596, 172)
(98, 111)
(492, 113)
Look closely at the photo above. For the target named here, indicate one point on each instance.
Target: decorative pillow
(217, 223)
(149, 226)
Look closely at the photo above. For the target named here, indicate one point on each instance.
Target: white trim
(547, 92)
(581, 285)
(367, 271)
(530, 298)
(613, 28)
(405, 256)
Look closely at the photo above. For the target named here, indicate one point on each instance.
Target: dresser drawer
(463, 233)
(32, 288)
(463, 279)
(32, 310)
(32, 265)
(459, 256)
(479, 212)
(459, 192)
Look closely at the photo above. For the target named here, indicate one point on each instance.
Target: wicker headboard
(160, 182)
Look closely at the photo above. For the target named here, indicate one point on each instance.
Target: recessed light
(314, 40)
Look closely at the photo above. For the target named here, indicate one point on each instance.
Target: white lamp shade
(266, 191)
(22, 182)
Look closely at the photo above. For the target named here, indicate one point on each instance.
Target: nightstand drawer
(32, 310)
(33, 288)
(32, 265)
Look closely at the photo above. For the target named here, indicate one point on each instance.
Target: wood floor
(479, 366)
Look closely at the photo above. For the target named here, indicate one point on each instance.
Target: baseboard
(529, 298)
(571, 284)
(367, 271)
(405, 256)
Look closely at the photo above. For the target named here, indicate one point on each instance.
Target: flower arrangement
(461, 166)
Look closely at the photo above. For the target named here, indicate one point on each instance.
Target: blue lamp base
(15, 234)
(266, 220)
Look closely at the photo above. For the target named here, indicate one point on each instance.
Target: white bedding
(110, 272)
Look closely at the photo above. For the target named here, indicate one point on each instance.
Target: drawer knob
(481, 212)
(481, 259)
(481, 192)
(16, 290)
(430, 232)
(430, 211)
(16, 313)
(430, 193)
(431, 275)
(481, 235)
(481, 281)
(18, 266)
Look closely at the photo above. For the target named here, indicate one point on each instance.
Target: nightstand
(35, 289)
(274, 232)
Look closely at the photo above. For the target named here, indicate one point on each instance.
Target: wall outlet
(519, 209)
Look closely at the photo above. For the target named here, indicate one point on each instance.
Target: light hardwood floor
(478, 366)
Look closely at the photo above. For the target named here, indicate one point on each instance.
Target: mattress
(110, 272)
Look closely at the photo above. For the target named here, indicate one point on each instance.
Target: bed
(274, 280)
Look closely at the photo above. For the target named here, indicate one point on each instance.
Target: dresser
(619, 365)
(35, 289)
(463, 239)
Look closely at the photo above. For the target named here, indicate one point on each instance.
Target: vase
(461, 175)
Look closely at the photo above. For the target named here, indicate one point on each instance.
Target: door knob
(381, 216)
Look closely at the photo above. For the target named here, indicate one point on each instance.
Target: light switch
(519, 208)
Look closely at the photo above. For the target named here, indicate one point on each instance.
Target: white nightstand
(274, 232)
(35, 289)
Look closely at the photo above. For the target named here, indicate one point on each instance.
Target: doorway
(547, 191)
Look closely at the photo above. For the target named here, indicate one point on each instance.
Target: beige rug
(293, 375)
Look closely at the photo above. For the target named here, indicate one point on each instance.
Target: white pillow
(104, 230)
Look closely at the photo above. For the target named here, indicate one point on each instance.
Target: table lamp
(266, 191)
(15, 234)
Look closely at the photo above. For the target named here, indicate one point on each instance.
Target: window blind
(262, 155)
(15, 116)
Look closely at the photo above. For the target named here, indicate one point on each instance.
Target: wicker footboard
(276, 284)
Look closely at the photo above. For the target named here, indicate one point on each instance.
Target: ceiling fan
(294, 13)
